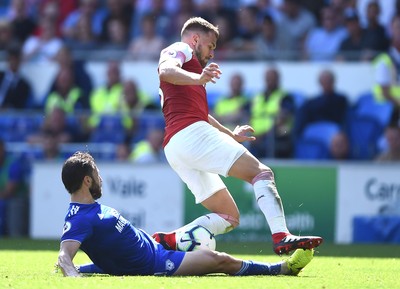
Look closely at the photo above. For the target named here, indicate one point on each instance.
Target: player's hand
(210, 73)
(240, 133)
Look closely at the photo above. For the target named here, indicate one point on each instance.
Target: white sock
(270, 204)
(212, 222)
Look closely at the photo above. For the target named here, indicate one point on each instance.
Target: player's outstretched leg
(290, 242)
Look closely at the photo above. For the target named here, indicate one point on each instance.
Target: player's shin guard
(255, 268)
(269, 201)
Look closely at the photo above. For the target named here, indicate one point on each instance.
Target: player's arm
(239, 133)
(171, 71)
(68, 250)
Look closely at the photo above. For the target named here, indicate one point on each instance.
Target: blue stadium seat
(315, 140)
(109, 130)
(364, 133)
(367, 106)
(147, 122)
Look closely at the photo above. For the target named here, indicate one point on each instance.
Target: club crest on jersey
(67, 227)
(171, 53)
(169, 265)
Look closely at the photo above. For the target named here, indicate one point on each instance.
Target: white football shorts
(199, 154)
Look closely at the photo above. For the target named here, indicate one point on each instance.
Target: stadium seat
(315, 140)
(364, 133)
(147, 122)
(367, 106)
(109, 130)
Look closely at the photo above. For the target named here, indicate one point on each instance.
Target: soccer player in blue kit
(116, 247)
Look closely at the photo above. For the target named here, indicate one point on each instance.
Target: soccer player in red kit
(200, 149)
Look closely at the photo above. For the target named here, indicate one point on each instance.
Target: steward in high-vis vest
(66, 95)
(265, 107)
(387, 73)
(233, 109)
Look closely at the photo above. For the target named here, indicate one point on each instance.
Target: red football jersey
(182, 105)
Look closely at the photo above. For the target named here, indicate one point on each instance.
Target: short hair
(75, 168)
(199, 24)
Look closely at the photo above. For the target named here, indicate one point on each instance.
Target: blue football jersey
(110, 241)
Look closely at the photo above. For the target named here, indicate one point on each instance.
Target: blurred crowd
(343, 30)
(119, 121)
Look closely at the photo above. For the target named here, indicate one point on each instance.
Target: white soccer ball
(194, 238)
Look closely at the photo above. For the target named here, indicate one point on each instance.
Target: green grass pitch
(30, 264)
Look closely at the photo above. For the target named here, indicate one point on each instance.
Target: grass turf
(29, 264)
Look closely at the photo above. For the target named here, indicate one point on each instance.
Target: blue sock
(90, 268)
(254, 268)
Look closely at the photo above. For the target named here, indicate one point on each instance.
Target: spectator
(14, 193)
(149, 150)
(225, 47)
(392, 153)
(133, 102)
(117, 36)
(233, 108)
(23, 25)
(387, 81)
(354, 46)
(375, 34)
(66, 95)
(123, 151)
(248, 29)
(51, 150)
(88, 11)
(340, 147)
(295, 24)
(106, 99)
(84, 38)
(164, 19)
(329, 105)
(15, 90)
(148, 45)
(60, 126)
(117, 21)
(270, 43)
(323, 43)
(6, 34)
(81, 77)
(45, 46)
(266, 107)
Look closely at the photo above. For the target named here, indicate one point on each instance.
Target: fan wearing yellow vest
(266, 108)
(149, 150)
(387, 73)
(233, 108)
(66, 95)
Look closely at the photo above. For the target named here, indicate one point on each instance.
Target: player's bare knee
(265, 174)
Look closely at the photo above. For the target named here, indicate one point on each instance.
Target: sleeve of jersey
(76, 229)
(179, 51)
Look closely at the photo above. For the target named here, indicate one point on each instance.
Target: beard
(95, 191)
(197, 52)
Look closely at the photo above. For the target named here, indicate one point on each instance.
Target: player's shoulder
(180, 46)
(179, 50)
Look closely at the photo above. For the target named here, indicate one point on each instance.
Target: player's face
(95, 188)
(204, 47)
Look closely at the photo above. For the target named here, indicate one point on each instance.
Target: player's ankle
(277, 237)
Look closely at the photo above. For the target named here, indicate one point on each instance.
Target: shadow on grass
(250, 248)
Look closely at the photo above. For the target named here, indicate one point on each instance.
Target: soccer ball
(194, 238)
